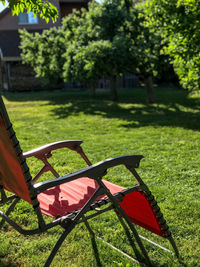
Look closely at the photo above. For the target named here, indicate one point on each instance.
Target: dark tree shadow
(174, 107)
(8, 264)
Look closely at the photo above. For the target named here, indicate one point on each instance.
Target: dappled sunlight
(135, 115)
(174, 108)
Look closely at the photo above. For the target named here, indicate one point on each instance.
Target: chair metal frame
(96, 172)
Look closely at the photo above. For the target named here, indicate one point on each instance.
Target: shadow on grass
(8, 264)
(174, 107)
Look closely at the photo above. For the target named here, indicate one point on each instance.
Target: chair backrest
(14, 173)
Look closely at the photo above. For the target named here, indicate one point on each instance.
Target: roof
(4, 11)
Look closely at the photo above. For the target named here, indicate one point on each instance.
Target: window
(27, 18)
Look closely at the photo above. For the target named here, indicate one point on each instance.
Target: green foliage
(87, 62)
(50, 47)
(43, 52)
(179, 23)
(148, 45)
(82, 49)
(99, 45)
(106, 40)
(44, 8)
(108, 24)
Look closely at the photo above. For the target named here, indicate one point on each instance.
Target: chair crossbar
(122, 252)
(156, 244)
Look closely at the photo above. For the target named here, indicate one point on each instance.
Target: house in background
(14, 75)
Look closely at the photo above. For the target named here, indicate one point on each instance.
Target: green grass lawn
(167, 134)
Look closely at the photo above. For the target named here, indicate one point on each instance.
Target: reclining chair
(75, 197)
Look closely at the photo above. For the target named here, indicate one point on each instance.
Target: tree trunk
(92, 86)
(127, 4)
(113, 88)
(149, 89)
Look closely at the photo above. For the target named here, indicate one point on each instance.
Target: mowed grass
(166, 133)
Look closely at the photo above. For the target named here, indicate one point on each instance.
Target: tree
(77, 51)
(50, 47)
(148, 59)
(135, 48)
(89, 63)
(131, 47)
(179, 24)
(108, 39)
(44, 8)
(102, 47)
(44, 53)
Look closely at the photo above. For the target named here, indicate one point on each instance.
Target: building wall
(66, 9)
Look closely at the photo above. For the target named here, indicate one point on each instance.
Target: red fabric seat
(71, 196)
(140, 212)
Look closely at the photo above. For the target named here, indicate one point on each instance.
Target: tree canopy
(45, 9)
(179, 23)
(100, 45)
(108, 40)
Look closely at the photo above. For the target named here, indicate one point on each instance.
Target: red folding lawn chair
(75, 197)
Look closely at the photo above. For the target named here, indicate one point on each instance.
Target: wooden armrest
(46, 149)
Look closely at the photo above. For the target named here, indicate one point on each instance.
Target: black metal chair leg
(171, 240)
(130, 239)
(92, 234)
(55, 249)
(96, 252)
(58, 244)
(93, 241)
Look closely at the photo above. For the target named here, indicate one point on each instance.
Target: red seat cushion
(71, 196)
